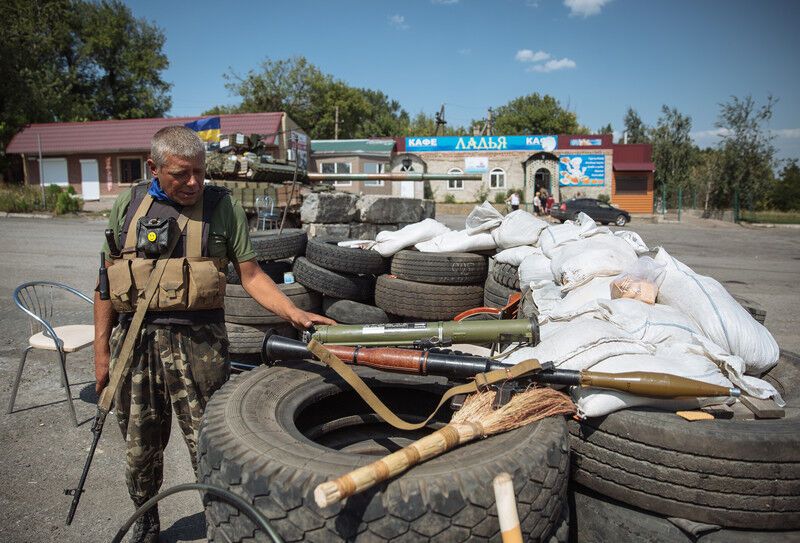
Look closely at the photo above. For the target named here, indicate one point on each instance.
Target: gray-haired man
(181, 354)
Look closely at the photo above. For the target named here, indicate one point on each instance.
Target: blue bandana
(157, 193)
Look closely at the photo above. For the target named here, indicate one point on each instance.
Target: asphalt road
(43, 453)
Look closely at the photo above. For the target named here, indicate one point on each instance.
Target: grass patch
(773, 217)
(27, 199)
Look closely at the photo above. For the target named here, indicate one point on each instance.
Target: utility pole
(440, 122)
(490, 123)
(336, 125)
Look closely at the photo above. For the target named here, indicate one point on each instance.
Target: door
(90, 180)
(54, 171)
(605, 212)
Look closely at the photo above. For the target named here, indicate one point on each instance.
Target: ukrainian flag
(208, 128)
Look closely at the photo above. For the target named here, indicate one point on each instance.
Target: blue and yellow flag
(208, 128)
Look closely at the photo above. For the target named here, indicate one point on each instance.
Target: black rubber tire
(440, 268)
(620, 220)
(272, 434)
(733, 473)
(423, 300)
(247, 339)
(495, 294)
(329, 255)
(600, 519)
(273, 268)
(360, 288)
(268, 245)
(240, 308)
(506, 275)
(350, 312)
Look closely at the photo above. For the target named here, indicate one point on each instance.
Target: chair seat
(74, 336)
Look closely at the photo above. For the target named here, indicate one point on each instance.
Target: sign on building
(481, 143)
(476, 164)
(586, 142)
(582, 170)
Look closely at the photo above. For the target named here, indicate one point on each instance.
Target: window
(497, 179)
(337, 167)
(130, 170)
(373, 167)
(455, 184)
(631, 184)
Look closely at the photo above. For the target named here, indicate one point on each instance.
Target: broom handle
(365, 477)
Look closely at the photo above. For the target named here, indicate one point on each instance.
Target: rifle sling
(125, 356)
(481, 382)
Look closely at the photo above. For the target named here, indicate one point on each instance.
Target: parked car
(598, 210)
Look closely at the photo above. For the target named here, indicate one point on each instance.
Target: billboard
(481, 143)
(476, 164)
(582, 170)
(586, 142)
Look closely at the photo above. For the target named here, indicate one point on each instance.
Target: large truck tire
(506, 275)
(272, 245)
(496, 295)
(360, 288)
(733, 473)
(329, 255)
(600, 519)
(272, 435)
(423, 300)
(240, 308)
(350, 312)
(440, 268)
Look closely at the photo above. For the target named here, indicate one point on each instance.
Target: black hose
(226, 495)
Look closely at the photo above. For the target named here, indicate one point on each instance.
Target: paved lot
(43, 453)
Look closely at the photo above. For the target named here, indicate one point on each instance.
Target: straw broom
(475, 420)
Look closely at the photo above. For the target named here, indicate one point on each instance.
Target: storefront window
(497, 179)
(337, 167)
(631, 184)
(130, 170)
(373, 167)
(455, 184)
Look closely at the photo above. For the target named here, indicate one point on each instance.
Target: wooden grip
(365, 477)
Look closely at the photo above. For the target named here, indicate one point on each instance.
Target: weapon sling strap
(482, 382)
(125, 356)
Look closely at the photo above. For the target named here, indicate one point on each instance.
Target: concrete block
(329, 207)
(389, 209)
(338, 232)
(428, 209)
(364, 230)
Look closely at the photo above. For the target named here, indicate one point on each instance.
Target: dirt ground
(43, 453)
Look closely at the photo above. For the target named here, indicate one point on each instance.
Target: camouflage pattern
(174, 368)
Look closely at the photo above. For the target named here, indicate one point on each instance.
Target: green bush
(499, 198)
(449, 198)
(25, 199)
(68, 203)
(604, 198)
(481, 194)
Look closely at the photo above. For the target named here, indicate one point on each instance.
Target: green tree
(607, 129)
(786, 190)
(634, 128)
(425, 125)
(747, 153)
(673, 151)
(535, 114)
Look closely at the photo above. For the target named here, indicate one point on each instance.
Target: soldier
(181, 353)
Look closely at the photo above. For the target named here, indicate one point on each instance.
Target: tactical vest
(192, 289)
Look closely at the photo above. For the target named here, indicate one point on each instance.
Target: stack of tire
(245, 319)
(344, 277)
(431, 286)
(501, 282)
(652, 476)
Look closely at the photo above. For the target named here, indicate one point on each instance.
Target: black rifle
(97, 429)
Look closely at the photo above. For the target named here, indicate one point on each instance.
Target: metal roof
(126, 134)
(381, 147)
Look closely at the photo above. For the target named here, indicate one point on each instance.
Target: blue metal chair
(38, 299)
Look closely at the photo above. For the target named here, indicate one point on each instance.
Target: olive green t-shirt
(228, 235)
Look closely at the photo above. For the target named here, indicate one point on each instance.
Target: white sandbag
(595, 403)
(457, 241)
(588, 227)
(515, 255)
(598, 288)
(720, 318)
(556, 236)
(579, 303)
(581, 345)
(546, 297)
(518, 228)
(483, 218)
(653, 324)
(387, 243)
(598, 256)
(534, 268)
(731, 365)
(634, 240)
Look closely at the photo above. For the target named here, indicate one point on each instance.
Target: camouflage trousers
(174, 368)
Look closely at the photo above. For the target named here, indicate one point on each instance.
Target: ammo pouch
(189, 283)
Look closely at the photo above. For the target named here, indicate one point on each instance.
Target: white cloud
(553, 65)
(532, 3)
(398, 22)
(710, 134)
(465, 52)
(789, 133)
(585, 8)
(526, 55)
(445, 2)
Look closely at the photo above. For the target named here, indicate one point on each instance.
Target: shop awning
(634, 167)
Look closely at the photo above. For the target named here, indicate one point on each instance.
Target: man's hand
(303, 320)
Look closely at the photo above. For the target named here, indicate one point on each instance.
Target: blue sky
(597, 57)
